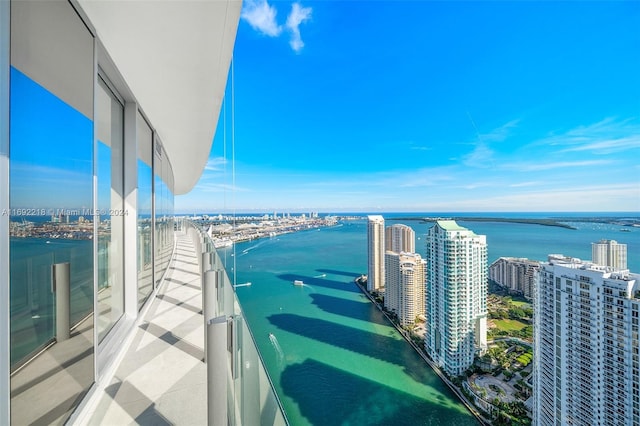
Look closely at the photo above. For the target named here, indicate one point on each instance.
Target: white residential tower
(375, 253)
(586, 362)
(456, 296)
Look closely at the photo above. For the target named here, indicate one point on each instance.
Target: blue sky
(430, 106)
(45, 172)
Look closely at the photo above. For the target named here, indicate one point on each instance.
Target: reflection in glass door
(110, 215)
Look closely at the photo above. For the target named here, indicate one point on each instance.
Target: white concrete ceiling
(174, 56)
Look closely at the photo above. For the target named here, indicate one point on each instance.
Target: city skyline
(498, 106)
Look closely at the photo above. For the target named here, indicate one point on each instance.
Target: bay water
(333, 358)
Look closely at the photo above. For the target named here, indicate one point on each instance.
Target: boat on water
(271, 335)
(298, 282)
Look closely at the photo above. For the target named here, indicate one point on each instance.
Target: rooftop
(450, 225)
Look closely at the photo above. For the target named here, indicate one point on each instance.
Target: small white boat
(298, 282)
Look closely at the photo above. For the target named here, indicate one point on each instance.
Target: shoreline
(430, 363)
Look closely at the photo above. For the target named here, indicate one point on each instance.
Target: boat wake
(276, 346)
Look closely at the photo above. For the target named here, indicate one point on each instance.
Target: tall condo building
(609, 253)
(375, 253)
(405, 285)
(400, 238)
(456, 296)
(515, 274)
(586, 362)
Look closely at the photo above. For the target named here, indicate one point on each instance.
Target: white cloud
(499, 134)
(534, 167)
(297, 16)
(262, 17)
(481, 157)
(215, 164)
(604, 137)
(525, 184)
(609, 146)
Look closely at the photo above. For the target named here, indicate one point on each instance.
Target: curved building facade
(108, 110)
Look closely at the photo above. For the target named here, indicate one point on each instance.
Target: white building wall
(412, 287)
(375, 253)
(515, 274)
(586, 366)
(400, 238)
(392, 281)
(456, 296)
(609, 253)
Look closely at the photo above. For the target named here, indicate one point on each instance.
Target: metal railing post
(217, 371)
(205, 262)
(60, 273)
(208, 302)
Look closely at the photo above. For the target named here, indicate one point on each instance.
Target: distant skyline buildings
(405, 275)
(400, 238)
(517, 275)
(609, 253)
(375, 252)
(586, 367)
(456, 296)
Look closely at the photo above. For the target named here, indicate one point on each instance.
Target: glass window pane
(51, 222)
(109, 173)
(145, 180)
(163, 212)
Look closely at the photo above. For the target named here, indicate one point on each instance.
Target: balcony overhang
(174, 56)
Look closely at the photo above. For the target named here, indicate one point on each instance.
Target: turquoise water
(333, 358)
(32, 298)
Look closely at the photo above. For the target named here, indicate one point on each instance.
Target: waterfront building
(609, 253)
(405, 285)
(515, 274)
(456, 296)
(107, 110)
(586, 367)
(400, 238)
(375, 253)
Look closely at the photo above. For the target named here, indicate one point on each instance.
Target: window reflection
(110, 214)
(145, 181)
(51, 222)
(163, 190)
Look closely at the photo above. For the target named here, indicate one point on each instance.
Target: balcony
(178, 368)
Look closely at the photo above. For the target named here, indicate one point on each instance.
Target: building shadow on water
(360, 310)
(349, 338)
(392, 349)
(329, 396)
(320, 282)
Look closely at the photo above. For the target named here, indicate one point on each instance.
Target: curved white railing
(240, 390)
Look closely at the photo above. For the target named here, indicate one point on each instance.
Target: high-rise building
(586, 367)
(400, 238)
(456, 296)
(515, 274)
(609, 253)
(375, 253)
(404, 285)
